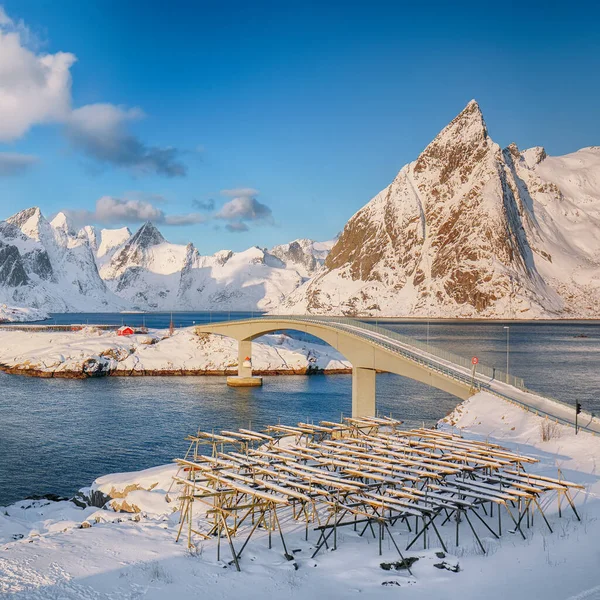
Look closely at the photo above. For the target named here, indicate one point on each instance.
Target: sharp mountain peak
(147, 235)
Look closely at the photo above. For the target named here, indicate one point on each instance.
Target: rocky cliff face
(52, 266)
(49, 266)
(304, 255)
(465, 230)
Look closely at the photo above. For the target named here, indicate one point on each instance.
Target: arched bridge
(370, 348)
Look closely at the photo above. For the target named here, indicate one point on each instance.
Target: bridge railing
(380, 336)
(411, 343)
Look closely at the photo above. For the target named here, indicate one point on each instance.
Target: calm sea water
(58, 435)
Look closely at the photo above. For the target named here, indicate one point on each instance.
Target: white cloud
(244, 208)
(34, 88)
(14, 164)
(111, 210)
(115, 210)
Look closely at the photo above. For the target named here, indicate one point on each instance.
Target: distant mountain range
(466, 230)
(51, 265)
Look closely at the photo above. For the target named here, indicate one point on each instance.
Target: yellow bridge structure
(372, 349)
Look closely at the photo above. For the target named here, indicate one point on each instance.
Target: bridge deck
(436, 360)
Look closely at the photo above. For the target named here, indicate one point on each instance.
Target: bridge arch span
(367, 354)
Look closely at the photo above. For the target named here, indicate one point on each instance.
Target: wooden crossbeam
(365, 467)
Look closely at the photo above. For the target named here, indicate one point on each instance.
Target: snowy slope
(10, 314)
(48, 266)
(145, 270)
(55, 550)
(566, 192)
(110, 241)
(250, 280)
(53, 266)
(150, 273)
(470, 230)
(94, 352)
(304, 255)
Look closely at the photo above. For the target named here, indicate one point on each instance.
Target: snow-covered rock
(12, 314)
(50, 265)
(139, 491)
(470, 230)
(306, 256)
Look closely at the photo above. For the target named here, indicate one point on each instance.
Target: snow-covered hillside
(59, 550)
(91, 352)
(150, 273)
(15, 314)
(50, 265)
(470, 230)
(306, 256)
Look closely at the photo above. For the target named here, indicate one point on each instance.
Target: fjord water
(58, 435)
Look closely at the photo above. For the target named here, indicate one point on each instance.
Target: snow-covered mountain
(470, 229)
(150, 273)
(466, 230)
(49, 266)
(52, 266)
(306, 256)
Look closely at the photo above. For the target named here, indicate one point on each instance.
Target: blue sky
(235, 124)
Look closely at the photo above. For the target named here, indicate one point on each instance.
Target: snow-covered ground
(45, 553)
(94, 351)
(20, 314)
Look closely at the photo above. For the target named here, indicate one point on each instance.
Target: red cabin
(125, 330)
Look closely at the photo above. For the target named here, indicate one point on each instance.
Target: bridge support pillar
(363, 392)
(244, 377)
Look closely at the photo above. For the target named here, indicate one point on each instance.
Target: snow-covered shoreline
(127, 549)
(20, 314)
(92, 353)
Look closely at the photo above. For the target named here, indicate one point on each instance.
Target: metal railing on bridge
(424, 354)
(409, 343)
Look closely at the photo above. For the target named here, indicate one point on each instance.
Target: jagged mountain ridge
(46, 265)
(151, 273)
(306, 256)
(470, 230)
(52, 266)
(466, 230)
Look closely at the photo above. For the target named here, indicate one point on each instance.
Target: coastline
(125, 524)
(92, 352)
(72, 374)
